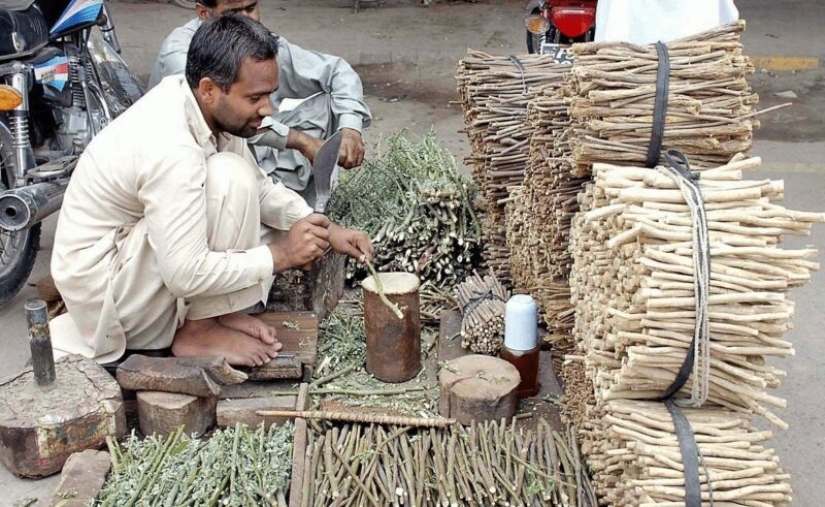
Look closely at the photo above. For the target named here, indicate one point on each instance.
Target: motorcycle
(553, 25)
(59, 87)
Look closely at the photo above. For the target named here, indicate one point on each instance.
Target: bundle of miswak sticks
(611, 91)
(633, 287)
(482, 301)
(635, 459)
(495, 92)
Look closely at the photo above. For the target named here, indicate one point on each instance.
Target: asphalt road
(408, 55)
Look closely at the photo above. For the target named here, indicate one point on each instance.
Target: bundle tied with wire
(415, 205)
(482, 301)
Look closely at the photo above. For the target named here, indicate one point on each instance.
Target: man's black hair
(209, 4)
(220, 45)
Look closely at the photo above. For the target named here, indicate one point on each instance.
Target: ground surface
(407, 56)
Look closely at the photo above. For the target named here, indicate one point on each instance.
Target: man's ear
(209, 91)
(202, 11)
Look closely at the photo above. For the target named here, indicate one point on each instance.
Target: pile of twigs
(633, 283)
(482, 301)
(235, 467)
(539, 215)
(416, 207)
(604, 113)
(495, 91)
(490, 464)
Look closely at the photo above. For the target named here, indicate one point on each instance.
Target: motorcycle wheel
(186, 4)
(18, 250)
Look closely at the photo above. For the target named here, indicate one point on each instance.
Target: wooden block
(82, 478)
(316, 291)
(143, 373)
(264, 389)
(162, 413)
(284, 366)
(297, 331)
(299, 446)
(449, 339)
(550, 387)
(41, 426)
(303, 397)
(478, 388)
(300, 464)
(231, 412)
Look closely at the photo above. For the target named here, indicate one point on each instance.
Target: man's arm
(304, 73)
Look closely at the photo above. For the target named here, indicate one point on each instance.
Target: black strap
(659, 106)
(476, 300)
(690, 455)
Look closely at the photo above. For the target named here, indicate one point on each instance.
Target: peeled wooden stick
(360, 418)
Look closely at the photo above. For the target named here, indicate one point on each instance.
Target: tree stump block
(478, 388)
(162, 413)
(231, 412)
(41, 426)
(317, 290)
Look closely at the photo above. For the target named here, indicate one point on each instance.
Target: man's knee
(230, 175)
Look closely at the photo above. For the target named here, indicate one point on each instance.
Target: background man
(157, 243)
(333, 99)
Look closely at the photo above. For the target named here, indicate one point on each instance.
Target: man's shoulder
(159, 116)
(181, 37)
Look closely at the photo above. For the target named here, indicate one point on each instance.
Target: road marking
(786, 62)
(781, 167)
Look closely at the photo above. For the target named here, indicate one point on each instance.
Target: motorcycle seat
(22, 32)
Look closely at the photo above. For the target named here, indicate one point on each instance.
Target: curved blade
(322, 168)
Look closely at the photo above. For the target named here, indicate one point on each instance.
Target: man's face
(241, 110)
(248, 8)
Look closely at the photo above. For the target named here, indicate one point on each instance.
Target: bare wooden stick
(360, 418)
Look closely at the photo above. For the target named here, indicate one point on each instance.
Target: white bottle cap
(520, 323)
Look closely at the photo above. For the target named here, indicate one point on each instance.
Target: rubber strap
(659, 106)
(690, 455)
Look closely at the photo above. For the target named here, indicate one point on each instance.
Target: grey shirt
(302, 74)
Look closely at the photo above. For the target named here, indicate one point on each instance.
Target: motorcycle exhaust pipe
(25, 206)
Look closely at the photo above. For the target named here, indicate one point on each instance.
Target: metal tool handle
(40, 341)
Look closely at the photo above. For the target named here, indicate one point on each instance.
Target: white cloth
(148, 235)
(648, 21)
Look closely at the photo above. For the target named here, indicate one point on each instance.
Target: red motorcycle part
(572, 21)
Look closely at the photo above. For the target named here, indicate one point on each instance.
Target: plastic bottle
(521, 347)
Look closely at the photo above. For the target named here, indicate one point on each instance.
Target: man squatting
(169, 228)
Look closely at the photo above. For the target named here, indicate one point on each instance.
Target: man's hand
(351, 153)
(307, 241)
(355, 244)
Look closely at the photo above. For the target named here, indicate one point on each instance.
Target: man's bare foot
(208, 337)
(250, 325)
